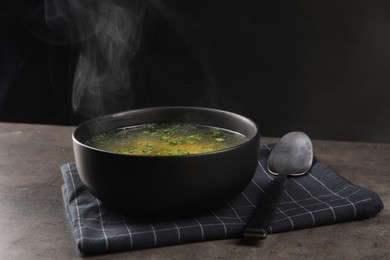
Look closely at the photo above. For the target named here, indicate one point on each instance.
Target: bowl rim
(195, 108)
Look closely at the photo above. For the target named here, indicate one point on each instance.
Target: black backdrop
(317, 66)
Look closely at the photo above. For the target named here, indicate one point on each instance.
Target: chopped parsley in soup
(166, 139)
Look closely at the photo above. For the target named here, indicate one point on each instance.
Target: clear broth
(166, 139)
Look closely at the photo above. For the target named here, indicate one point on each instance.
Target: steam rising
(108, 32)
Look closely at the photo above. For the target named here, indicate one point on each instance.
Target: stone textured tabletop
(34, 226)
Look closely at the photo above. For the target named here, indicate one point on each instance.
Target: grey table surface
(33, 224)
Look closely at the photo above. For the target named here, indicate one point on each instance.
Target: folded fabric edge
(376, 204)
(69, 217)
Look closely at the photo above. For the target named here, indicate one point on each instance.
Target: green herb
(129, 150)
(148, 148)
(100, 138)
(195, 137)
(180, 152)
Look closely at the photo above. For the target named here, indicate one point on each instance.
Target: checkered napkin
(317, 198)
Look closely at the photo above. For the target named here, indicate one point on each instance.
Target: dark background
(322, 67)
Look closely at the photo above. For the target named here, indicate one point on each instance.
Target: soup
(166, 139)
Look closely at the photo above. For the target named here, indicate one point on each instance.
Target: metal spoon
(292, 155)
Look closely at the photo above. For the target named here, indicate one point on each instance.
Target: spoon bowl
(292, 155)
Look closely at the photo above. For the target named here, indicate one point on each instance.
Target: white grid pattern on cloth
(354, 208)
(98, 230)
(311, 195)
(223, 224)
(201, 229)
(129, 231)
(178, 232)
(154, 234)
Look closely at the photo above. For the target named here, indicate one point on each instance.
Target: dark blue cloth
(318, 198)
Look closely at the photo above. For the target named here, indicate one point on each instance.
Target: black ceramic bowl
(167, 185)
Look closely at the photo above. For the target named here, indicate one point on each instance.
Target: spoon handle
(258, 226)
